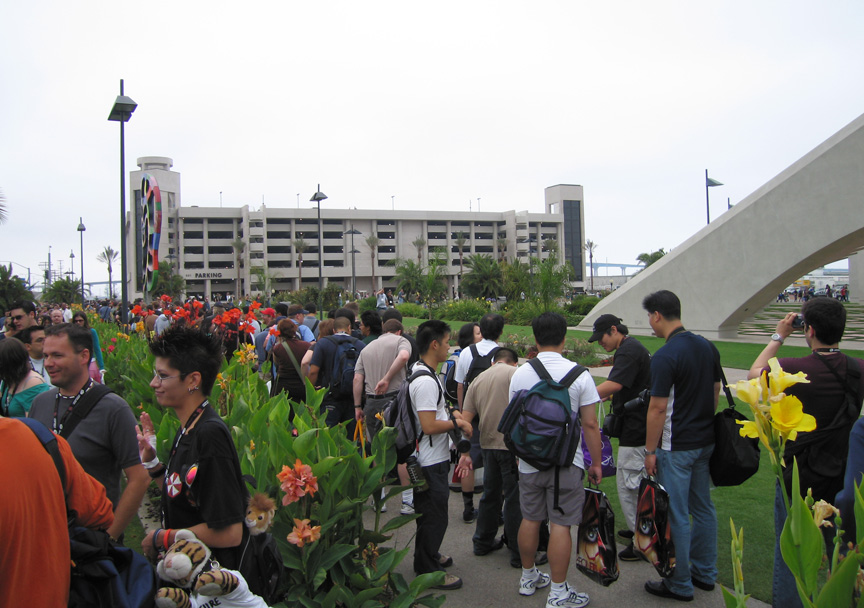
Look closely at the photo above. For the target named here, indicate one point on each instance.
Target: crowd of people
(51, 373)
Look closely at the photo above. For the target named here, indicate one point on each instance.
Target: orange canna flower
(303, 533)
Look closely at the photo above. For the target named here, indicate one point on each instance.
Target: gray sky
(437, 104)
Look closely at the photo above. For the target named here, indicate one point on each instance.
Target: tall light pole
(317, 198)
(81, 230)
(72, 265)
(709, 183)
(354, 252)
(121, 112)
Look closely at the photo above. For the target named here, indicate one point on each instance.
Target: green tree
(300, 247)
(62, 290)
(372, 242)
(263, 279)
(485, 278)
(409, 275)
(517, 279)
(649, 258)
(419, 243)
(590, 246)
(109, 256)
(502, 247)
(12, 288)
(434, 283)
(239, 246)
(169, 283)
(551, 282)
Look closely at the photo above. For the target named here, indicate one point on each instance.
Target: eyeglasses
(18, 317)
(162, 377)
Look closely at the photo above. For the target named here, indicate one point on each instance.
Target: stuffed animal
(187, 564)
(259, 513)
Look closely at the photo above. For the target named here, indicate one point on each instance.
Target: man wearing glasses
(21, 315)
(98, 424)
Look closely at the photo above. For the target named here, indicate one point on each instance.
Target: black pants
(432, 523)
(340, 411)
(500, 486)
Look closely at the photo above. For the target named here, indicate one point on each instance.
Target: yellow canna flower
(788, 417)
(753, 430)
(780, 380)
(748, 391)
(821, 511)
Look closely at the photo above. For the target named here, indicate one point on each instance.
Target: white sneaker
(383, 507)
(528, 587)
(407, 509)
(572, 599)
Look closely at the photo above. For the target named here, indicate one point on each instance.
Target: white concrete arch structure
(810, 215)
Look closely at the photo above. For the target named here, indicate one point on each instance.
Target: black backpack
(400, 415)
(478, 365)
(103, 574)
(342, 371)
(448, 379)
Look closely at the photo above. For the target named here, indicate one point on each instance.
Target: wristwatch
(777, 338)
(651, 452)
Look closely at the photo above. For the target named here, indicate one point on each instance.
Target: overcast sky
(438, 104)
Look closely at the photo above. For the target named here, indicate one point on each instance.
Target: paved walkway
(490, 581)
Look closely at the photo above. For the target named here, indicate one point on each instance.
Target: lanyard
(192, 420)
(58, 426)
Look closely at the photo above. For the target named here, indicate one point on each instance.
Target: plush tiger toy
(187, 564)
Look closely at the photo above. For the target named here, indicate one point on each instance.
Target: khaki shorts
(537, 496)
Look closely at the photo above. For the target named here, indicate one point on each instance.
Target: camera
(638, 402)
(462, 445)
(798, 321)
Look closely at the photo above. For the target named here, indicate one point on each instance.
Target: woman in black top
(202, 486)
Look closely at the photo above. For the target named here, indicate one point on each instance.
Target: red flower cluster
(297, 482)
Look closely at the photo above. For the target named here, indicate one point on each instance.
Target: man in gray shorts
(537, 488)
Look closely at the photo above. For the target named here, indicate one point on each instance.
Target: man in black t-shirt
(630, 374)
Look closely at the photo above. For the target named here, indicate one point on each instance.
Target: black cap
(602, 325)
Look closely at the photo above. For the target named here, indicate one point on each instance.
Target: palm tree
(419, 243)
(590, 246)
(409, 276)
(109, 256)
(300, 246)
(485, 278)
(3, 214)
(460, 241)
(502, 247)
(372, 241)
(551, 245)
(169, 283)
(239, 246)
(650, 258)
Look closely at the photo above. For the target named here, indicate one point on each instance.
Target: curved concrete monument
(810, 215)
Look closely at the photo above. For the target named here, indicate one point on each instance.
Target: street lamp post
(121, 112)
(72, 264)
(317, 198)
(709, 183)
(81, 230)
(352, 232)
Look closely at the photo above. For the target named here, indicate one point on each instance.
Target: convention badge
(191, 473)
(174, 485)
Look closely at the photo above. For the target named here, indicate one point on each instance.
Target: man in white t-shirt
(427, 399)
(550, 331)
(491, 326)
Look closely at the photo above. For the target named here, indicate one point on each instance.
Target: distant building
(198, 240)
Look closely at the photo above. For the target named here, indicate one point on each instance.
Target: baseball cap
(269, 312)
(603, 324)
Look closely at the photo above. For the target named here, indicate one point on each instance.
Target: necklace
(58, 425)
(826, 350)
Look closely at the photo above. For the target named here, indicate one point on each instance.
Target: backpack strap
(49, 442)
(849, 384)
(85, 404)
(423, 371)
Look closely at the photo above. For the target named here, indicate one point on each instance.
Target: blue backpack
(103, 574)
(540, 426)
(342, 372)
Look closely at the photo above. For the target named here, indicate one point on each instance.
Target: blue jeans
(685, 476)
(500, 485)
(784, 591)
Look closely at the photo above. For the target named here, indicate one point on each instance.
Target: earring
(192, 389)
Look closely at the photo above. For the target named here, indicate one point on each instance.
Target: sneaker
(629, 554)
(451, 581)
(383, 507)
(407, 509)
(528, 587)
(469, 515)
(572, 599)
